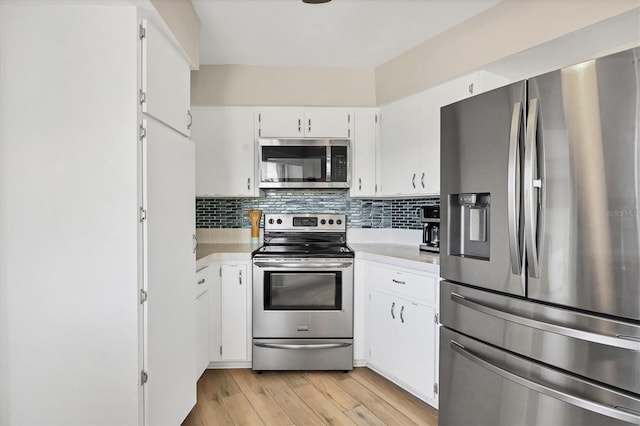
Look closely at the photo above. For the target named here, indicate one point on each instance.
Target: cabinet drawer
(404, 283)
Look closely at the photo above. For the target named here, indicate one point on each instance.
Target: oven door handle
(303, 346)
(302, 265)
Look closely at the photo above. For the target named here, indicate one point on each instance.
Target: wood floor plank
(414, 408)
(297, 410)
(222, 383)
(324, 407)
(375, 403)
(210, 407)
(360, 415)
(328, 386)
(295, 379)
(267, 408)
(241, 411)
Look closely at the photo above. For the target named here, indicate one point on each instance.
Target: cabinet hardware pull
(249, 183)
(190, 120)
(299, 126)
(200, 282)
(309, 125)
(195, 243)
(401, 314)
(240, 277)
(393, 306)
(413, 181)
(398, 282)
(360, 184)
(422, 180)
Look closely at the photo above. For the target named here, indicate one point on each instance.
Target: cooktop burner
(308, 235)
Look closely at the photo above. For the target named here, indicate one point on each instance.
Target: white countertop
(407, 256)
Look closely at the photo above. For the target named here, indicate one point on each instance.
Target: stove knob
(323, 222)
(270, 221)
(330, 221)
(279, 221)
(339, 222)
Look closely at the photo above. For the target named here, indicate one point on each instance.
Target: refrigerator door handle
(530, 219)
(617, 412)
(513, 199)
(618, 341)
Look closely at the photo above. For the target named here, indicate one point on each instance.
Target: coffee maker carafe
(430, 218)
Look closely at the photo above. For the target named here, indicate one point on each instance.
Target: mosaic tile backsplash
(361, 213)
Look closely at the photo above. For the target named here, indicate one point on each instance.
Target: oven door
(302, 298)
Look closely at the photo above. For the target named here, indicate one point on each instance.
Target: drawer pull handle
(201, 281)
(393, 306)
(398, 282)
(402, 314)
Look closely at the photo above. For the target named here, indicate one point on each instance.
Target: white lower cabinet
(231, 314)
(204, 279)
(403, 329)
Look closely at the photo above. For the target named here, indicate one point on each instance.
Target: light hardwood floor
(360, 397)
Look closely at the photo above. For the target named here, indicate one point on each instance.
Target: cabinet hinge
(143, 296)
(143, 131)
(435, 388)
(436, 318)
(143, 32)
(143, 97)
(144, 377)
(143, 214)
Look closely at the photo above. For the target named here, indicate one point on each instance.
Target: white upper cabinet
(225, 151)
(399, 147)
(166, 95)
(410, 135)
(363, 152)
(298, 122)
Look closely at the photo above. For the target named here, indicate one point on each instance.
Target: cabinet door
(417, 347)
(233, 312)
(429, 151)
(399, 141)
(165, 81)
(225, 151)
(203, 319)
(168, 193)
(383, 331)
(363, 152)
(327, 123)
(280, 122)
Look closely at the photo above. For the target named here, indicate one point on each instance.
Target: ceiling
(342, 33)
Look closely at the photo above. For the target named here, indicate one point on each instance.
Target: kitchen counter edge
(395, 254)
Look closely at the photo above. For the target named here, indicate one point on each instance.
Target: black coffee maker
(430, 218)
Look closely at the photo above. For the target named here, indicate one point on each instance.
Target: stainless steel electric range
(303, 294)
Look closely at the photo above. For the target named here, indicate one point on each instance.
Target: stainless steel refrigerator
(540, 250)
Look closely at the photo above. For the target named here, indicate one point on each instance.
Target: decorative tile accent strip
(361, 213)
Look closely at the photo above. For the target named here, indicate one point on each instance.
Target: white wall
(68, 204)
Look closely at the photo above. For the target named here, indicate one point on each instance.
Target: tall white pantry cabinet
(97, 192)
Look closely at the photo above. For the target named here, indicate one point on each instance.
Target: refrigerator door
(522, 392)
(481, 156)
(581, 186)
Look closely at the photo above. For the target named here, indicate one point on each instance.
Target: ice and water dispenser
(469, 218)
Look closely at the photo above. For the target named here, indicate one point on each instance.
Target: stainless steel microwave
(304, 163)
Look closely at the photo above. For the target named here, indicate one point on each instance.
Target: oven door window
(303, 291)
(294, 164)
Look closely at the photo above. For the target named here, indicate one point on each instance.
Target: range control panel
(327, 222)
